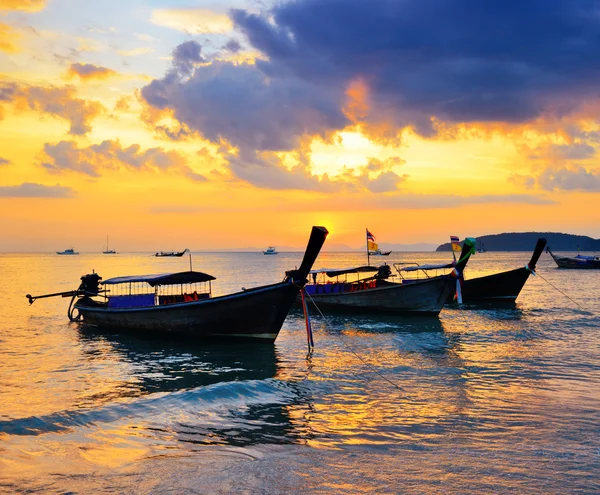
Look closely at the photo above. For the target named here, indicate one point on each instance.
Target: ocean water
(479, 400)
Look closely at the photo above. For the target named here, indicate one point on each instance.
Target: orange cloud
(7, 39)
(357, 105)
(89, 71)
(58, 102)
(111, 155)
(24, 5)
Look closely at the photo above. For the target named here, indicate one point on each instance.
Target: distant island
(525, 241)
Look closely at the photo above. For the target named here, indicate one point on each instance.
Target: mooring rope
(366, 363)
(569, 298)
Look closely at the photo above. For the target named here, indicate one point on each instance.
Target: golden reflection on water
(113, 447)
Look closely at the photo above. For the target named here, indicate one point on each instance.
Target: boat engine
(90, 284)
(383, 272)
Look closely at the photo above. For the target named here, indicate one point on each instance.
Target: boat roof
(425, 267)
(188, 277)
(332, 272)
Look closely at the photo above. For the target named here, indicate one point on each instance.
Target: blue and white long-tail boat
(182, 303)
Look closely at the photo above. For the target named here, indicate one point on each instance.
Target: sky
(215, 124)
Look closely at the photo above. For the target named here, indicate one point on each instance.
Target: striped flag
(455, 241)
(370, 237)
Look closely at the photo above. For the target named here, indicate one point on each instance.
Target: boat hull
(576, 264)
(252, 314)
(505, 286)
(417, 297)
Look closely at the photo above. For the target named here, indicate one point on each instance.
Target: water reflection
(162, 365)
(227, 394)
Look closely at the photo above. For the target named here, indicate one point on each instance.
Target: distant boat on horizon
(67, 251)
(108, 251)
(373, 247)
(176, 254)
(270, 250)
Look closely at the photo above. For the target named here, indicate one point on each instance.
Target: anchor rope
(569, 298)
(349, 347)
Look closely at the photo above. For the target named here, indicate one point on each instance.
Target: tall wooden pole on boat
(367, 241)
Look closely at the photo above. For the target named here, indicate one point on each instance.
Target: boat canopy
(425, 267)
(163, 278)
(335, 273)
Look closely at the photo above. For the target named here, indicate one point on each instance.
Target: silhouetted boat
(579, 262)
(270, 250)
(152, 303)
(379, 252)
(375, 293)
(504, 286)
(177, 254)
(67, 251)
(108, 251)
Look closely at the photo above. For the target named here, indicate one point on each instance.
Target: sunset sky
(215, 124)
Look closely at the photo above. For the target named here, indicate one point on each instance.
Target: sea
(480, 400)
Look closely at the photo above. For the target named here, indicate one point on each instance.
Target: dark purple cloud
(186, 55)
(232, 46)
(241, 104)
(90, 71)
(462, 60)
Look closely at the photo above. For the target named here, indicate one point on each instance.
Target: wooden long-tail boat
(171, 304)
(503, 286)
(375, 293)
(578, 262)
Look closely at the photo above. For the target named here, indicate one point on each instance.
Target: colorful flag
(455, 243)
(370, 237)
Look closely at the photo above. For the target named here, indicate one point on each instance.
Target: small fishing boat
(67, 252)
(579, 262)
(481, 249)
(373, 247)
(166, 254)
(367, 288)
(270, 250)
(182, 303)
(108, 251)
(379, 252)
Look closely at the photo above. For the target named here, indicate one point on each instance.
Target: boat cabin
(331, 281)
(141, 291)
